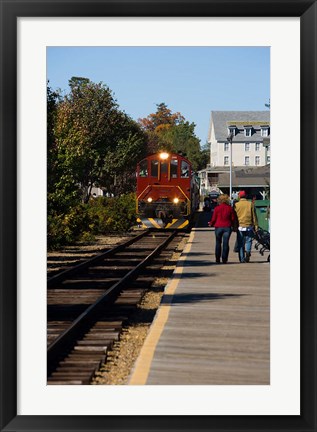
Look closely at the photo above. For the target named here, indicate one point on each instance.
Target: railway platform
(213, 324)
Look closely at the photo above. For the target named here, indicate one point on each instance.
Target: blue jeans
(245, 242)
(222, 243)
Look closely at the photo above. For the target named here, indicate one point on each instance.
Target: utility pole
(229, 139)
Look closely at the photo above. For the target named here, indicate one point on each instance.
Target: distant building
(249, 128)
(250, 153)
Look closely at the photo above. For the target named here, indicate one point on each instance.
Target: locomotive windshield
(169, 169)
(154, 168)
(143, 168)
(174, 166)
(184, 169)
(164, 167)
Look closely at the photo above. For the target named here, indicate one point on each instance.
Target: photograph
(139, 194)
(150, 147)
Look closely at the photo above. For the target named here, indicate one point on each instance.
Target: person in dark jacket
(224, 220)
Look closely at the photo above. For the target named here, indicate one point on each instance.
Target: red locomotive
(167, 191)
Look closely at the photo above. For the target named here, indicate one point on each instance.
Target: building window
(257, 146)
(246, 146)
(247, 131)
(226, 160)
(226, 146)
(268, 159)
(232, 129)
(257, 160)
(246, 160)
(264, 131)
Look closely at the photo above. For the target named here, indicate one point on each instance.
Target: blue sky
(190, 80)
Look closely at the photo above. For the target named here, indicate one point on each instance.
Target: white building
(250, 151)
(248, 129)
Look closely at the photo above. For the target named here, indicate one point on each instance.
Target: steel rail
(82, 323)
(91, 261)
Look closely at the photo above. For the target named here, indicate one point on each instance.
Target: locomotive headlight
(175, 200)
(149, 199)
(164, 156)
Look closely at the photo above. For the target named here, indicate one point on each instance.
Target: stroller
(262, 238)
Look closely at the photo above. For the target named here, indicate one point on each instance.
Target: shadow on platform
(176, 299)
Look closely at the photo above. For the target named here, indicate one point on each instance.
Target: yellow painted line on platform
(142, 367)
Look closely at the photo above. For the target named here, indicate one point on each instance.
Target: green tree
(120, 163)
(162, 117)
(89, 129)
(205, 155)
(171, 132)
(181, 138)
(58, 199)
(155, 123)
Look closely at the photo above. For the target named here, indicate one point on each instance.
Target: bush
(108, 215)
(66, 228)
(100, 216)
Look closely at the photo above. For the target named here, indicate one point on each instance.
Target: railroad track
(72, 255)
(89, 303)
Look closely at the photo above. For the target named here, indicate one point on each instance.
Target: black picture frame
(10, 11)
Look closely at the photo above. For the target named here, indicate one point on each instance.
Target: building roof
(242, 176)
(223, 119)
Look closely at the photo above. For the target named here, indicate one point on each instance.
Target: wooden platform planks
(213, 326)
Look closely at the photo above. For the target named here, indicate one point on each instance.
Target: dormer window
(264, 131)
(232, 130)
(247, 131)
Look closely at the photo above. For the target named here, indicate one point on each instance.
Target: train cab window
(164, 168)
(143, 168)
(174, 166)
(184, 169)
(154, 168)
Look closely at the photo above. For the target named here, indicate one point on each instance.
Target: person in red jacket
(224, 219)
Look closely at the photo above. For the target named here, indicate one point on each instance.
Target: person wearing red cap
(247, 223)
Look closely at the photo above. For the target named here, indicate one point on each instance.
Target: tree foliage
(162, 117)
(90, 142)
(60, 195)
(89, 131)
(171, 132)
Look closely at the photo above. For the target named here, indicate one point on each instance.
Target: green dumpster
(262, 209)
